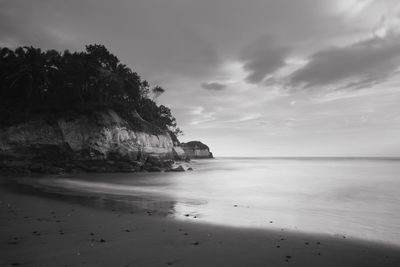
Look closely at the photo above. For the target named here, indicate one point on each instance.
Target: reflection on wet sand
(43, 228)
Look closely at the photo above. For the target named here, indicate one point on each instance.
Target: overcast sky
(248, 78)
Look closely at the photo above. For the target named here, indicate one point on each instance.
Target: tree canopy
(34, 81)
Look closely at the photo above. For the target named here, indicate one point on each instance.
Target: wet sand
(38, 230)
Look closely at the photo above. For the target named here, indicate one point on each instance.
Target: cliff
(196, 149)
(100, 141)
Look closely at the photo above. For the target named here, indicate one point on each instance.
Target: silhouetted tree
(35, 81)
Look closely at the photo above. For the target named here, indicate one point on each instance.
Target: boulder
(196, 149)
(177, 169)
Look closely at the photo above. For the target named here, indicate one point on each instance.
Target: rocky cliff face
(103, 138)
(196, 149)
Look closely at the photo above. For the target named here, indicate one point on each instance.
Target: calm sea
(354, 197)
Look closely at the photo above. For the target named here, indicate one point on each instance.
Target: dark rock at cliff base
(126, 167)
(152, 161)
(178, 169)
(155, 169)
(196, 149)
(41, 168)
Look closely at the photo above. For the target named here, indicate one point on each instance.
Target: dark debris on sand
(287, 258)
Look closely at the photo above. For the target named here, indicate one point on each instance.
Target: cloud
(257, 49)
(361, 64)
(21, 26)
(160, 39)
(215, 86)
(262, 58)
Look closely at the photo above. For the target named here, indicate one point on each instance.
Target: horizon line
(310, 157)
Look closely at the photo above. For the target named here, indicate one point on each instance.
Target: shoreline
(42, 231)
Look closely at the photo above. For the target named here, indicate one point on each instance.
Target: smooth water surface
(353, 197)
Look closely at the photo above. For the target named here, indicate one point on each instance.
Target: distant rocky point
(196, 149)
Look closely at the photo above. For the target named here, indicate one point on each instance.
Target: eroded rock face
(107, 137)
(196, 149)
(179, 153)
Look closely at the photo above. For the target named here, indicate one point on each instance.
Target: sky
(248, 78)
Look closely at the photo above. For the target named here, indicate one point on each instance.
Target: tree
(157, 91)
(28, 75)
(102, 56)
(36, 81)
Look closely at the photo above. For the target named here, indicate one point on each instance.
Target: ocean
(355, 198)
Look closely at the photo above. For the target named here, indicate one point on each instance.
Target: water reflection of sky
(360, 198)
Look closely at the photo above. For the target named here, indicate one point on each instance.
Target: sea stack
(196, 150)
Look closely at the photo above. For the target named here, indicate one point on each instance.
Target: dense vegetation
(33, 81)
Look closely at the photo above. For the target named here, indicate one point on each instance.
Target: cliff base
(101, 141)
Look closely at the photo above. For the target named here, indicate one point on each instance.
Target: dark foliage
(33, 81)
